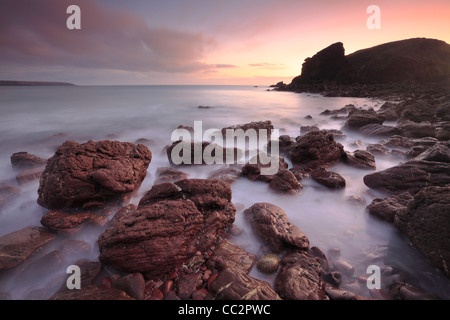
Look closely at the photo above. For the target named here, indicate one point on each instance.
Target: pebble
(268, 263)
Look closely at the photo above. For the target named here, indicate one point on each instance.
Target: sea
(39, 119)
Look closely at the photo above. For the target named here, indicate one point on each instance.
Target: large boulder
(329, 179)
(316, 149)
(92, 173)
(270, 223)
(426, 223)
(387, 208)
(410, 176)
(171, 224)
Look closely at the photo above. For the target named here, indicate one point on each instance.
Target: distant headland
(33, 83)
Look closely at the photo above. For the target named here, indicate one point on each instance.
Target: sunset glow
(196, 42)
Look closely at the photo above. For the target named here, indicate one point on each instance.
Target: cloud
(266, 65)
(225, 66)
(35, 34)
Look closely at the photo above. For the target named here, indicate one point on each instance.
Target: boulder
(387, 208)
(17, 246)
(329, 179)
(166, 174)
(25, 160)
(252, 169)
(271, 224)
(359, 118)
(69, 223)
(360, 159)
(316, 149)
(379, 130)
(171, 224)
(300, 278)
(256, 125)
(439, 153)
(417, 130)
(409, 177)
(378, 149)
(285, 182)
(230, 255)
(234, 284)
(426, 223)
(93, 172)
(229, 174)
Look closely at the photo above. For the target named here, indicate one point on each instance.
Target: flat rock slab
(17, 246)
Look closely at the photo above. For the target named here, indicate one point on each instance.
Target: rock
(204, 107)
(17, 246)
(195, 152)
(396, 141)
(187, 284)
(378, 150)
(379, 130)
(268, 263)
(256, 125)
(229, 174)
(234, 284)
(339, 294)
(439, 153)
(24, 160)
(417, 130)
(285, 182)
(387, 208)
(103, 171)
(299, 278)
(416, 111)
(92, 292)
(29, 175)
(360, 159)
(306, 129)
(410, 176)
(405, 291)
(316, 149)
(271, 224)
(359, 118)
(284, 143)
(426, 223)
(200, 294)
(337, 134)
(415, 151)
(344, 266)
(132, 284)
(252, 169)
(329, 64)
(443, 133)
(171, 224)
(166, 174)
(69, 223)
(329, 179)
(334, 278)
(230, 255)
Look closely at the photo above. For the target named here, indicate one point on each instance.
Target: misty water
(39, 119)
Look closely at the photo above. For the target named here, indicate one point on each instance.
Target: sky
(196, 42)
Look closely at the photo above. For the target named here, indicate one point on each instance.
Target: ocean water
(39, 119)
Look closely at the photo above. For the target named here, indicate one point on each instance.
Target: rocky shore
(178, 242)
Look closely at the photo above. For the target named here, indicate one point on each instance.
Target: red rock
(172, 223)
(199, 294)
(29, 175)
(17, 246)
(133, 284)
(104, 171)
(158, 294)
(26, 160)
(187, 284)
(166, 287)
(211, 280)
(271, 224)
(234, 284)
(316, 149)
(169, 175)
(228, 254)
(69, 223)
(360, 159)
(285, 182)
(107, 283)
(92, 292)
(300, 278)
(329, 179)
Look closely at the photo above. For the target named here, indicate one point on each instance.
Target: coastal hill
(33, 83)
(417, 60)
